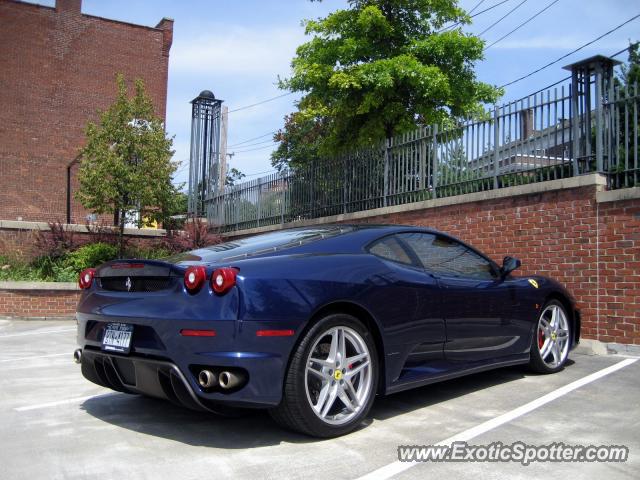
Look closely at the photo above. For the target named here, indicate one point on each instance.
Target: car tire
(551, 339)
(328, 396)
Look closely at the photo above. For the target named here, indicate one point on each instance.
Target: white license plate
(117, 337)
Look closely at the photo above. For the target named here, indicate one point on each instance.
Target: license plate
(117, 337)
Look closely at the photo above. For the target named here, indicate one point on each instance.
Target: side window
(390, 248)
(447, 257)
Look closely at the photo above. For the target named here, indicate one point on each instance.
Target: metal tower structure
(204, 161)
(592, 84)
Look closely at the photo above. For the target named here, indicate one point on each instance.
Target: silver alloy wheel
(553, 336)
(338, 375)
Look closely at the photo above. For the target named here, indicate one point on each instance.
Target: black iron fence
(545, 136)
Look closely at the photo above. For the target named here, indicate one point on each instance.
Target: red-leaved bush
(55, 242)
(196, 234)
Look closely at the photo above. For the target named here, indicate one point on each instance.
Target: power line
(254, 149)
(473, 16)
(571, 52)
(261, 102)
(252, 139)
(257, 143)
(523, 24)
(477, 5)
(502, 18)
(623, 50)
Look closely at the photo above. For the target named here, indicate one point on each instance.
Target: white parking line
(397, 467)
(23, 334)
(68, 401)
(35, 357)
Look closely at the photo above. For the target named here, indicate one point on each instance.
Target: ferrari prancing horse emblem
(533, 282)
(128, 284)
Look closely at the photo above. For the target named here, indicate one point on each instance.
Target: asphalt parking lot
(55, 424)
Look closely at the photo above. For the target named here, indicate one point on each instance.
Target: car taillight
(223, 280)
(86, 278)
(194, 277)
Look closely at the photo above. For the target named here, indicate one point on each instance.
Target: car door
(477, 304)
(414, 326)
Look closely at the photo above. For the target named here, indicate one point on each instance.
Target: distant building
(57, 69)
(532, 149)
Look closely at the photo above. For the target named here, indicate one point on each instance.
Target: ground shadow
(256, 429)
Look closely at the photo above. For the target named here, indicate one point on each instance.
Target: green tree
(381, 67)
(233, 175)
(126, 166)
(299, 141)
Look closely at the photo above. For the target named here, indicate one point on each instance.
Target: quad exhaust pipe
(207, 379)
(230, 379)
(77, 356)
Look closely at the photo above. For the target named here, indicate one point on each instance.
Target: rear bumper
(155, 378)
(164, 364)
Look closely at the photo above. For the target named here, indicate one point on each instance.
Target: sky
(238, 49)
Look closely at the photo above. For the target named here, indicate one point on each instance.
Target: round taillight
(86, 278)
(223, 280)
(194, 277)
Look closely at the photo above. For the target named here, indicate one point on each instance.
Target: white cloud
(237, 50)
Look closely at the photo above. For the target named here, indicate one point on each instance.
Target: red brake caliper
(540, 338)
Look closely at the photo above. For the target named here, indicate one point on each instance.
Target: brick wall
(58, 70)
(20, 243)
(38, 303)
(565, 234)
(571, 230)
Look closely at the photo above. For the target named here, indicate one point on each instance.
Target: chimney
(166, 25)
(526, 123)
(69, 6)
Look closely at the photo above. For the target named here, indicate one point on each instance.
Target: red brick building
(57, 69)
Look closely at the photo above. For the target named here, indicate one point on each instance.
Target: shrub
(90, 255)
(196, 234)
(150, 253)
(56, 242)
(102, 233)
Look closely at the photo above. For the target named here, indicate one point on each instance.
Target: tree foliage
(379, 68)
(126, 166)
(233, 176)
(299, 141)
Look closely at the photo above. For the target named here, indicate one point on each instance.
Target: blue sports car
(313, 322)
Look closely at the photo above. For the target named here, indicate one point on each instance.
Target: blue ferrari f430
(312, 323)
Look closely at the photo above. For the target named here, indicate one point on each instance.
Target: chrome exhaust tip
(207, 379)
(230, 380)
(77, 356)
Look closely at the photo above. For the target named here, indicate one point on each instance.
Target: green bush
(89, 256)
(66, 268)
(13, 270)
(150, 253)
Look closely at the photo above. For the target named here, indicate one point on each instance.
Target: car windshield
(260, 244)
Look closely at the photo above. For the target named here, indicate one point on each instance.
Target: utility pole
(223, 148)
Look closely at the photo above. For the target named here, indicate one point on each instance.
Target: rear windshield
(260, 244)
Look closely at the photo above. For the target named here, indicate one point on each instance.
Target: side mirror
(509, 264)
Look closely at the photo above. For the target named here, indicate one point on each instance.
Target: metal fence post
(434, 156)
(259, 200)
(344, 187)
(599, 132)
(387, 146)
(574, 115)
(282, 200)
(496, 150)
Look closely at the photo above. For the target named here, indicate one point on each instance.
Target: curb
(596, 347)
(65, 318)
